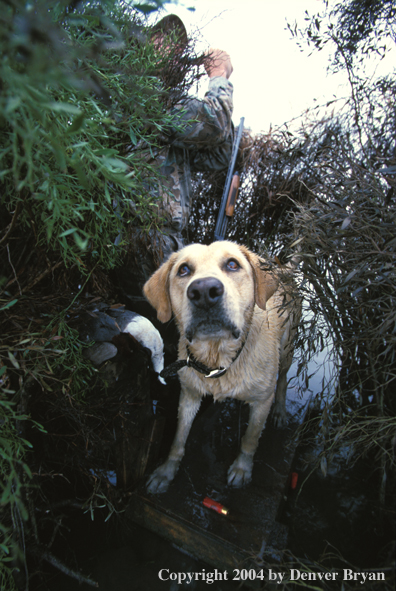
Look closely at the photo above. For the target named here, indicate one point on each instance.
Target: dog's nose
(206, 292)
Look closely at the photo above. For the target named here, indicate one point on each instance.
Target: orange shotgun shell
(294, 479)
(211, 504)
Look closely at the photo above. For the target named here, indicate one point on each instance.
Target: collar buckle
(216, 373)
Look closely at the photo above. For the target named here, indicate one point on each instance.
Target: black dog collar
(173, 368)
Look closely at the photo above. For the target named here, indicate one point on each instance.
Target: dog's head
(211, 290)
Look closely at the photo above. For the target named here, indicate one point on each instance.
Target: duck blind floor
(250, 535)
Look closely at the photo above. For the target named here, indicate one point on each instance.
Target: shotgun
(230, 191)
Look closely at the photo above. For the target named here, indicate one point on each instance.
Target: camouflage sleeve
(209, 138)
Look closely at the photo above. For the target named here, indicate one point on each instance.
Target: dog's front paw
(240, 471)
(161, 478)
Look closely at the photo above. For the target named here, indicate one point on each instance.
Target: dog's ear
(265, 282)
(156, 290)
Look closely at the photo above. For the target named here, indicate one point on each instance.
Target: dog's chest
(253, 386)
(250, 377)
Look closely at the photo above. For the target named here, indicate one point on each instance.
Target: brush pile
(80, 87)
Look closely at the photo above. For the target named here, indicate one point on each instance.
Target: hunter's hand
(218, 63)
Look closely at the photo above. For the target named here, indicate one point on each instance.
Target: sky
(273, 80)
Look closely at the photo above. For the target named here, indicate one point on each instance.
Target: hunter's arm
(209, 138)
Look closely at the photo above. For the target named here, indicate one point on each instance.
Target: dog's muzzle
(208, 315)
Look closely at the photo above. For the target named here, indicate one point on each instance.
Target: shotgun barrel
(230, 191)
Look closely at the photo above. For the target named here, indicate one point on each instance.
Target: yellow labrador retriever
(236, 326)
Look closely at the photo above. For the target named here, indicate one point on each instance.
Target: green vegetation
(79, 91)
(82, 108)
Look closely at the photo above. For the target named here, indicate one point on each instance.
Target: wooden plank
(188, 536)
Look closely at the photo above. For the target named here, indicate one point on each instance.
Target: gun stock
(232, 195)
(230, 191)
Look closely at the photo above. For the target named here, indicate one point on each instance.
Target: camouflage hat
(171, 25)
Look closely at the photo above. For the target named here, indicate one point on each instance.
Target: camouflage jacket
(204, 145)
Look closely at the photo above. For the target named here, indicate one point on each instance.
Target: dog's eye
(184, 270)
(232, 265)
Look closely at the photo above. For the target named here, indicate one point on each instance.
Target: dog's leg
(164, 474)
(279, 417)
(240, 472)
